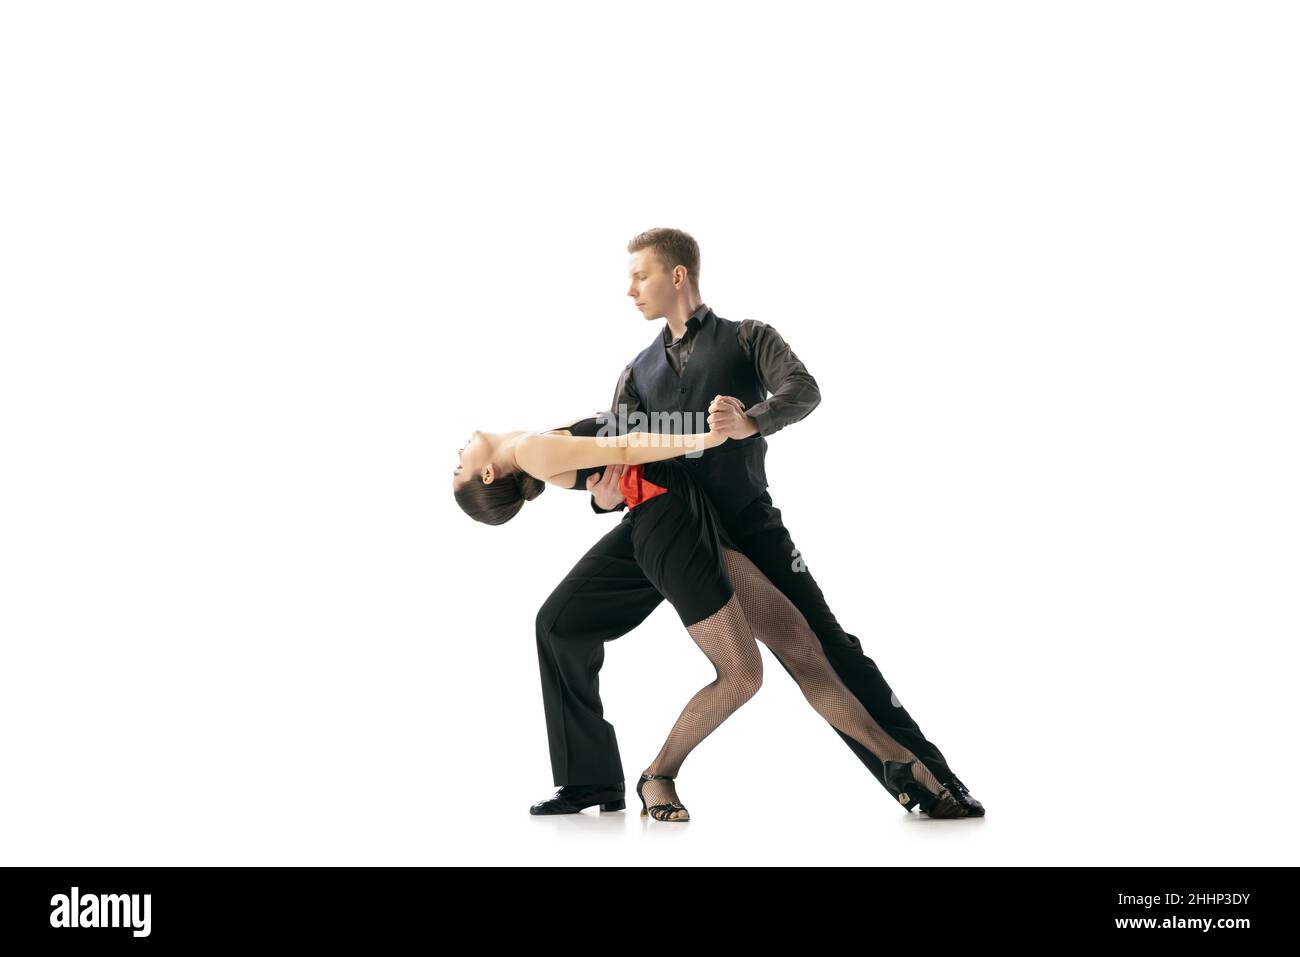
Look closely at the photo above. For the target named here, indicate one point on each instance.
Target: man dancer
(697, 357)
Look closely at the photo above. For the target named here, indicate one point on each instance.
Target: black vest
(732, 474)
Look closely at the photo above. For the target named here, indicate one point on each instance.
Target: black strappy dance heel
(902, 783)
(659, 812)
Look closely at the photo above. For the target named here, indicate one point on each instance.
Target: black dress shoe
(910, 793)
(962, 796)
(572, 798)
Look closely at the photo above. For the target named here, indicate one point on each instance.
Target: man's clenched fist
(727, 415)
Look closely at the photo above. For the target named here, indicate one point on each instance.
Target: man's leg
(761, 535)
(602, 598)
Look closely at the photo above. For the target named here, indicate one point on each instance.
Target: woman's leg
(726, 639)
(779, 625)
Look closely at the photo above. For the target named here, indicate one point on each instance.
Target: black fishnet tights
(759, 610)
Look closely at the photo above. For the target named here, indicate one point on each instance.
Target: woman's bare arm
(548, 455)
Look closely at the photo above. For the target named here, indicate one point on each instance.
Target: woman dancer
(722, 598)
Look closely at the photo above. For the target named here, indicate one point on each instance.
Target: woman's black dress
(677, 537)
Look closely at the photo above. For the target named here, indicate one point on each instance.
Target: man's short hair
(673, 248)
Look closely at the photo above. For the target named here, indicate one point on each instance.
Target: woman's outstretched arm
(547, 455)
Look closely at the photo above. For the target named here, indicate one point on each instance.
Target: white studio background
(263, 266)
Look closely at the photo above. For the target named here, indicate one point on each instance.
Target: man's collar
(693, 324)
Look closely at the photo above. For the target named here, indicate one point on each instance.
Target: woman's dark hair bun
(530, 486)
(499, 502)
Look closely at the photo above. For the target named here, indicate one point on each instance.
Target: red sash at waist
(635, 488)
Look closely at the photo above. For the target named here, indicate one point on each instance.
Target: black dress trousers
(606, 595)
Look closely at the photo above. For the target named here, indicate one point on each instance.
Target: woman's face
(475, 459)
